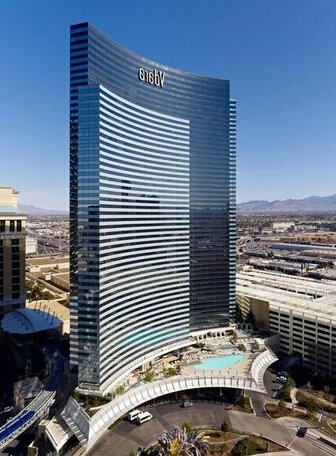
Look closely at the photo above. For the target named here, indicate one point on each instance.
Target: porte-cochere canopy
(89, 429)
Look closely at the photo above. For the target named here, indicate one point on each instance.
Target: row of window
(14, 226)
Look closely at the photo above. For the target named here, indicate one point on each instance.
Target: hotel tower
(152, 207)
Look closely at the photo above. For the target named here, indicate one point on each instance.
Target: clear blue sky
(280, 56)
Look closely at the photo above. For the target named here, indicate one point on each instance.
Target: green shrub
(241, 448)
(225, 427)
(169, 372)
(149, 376)
(244, 401)
(120, 389)
(187, 426)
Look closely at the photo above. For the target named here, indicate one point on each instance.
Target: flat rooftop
(47, 261)
(53, 307)
(316, 298)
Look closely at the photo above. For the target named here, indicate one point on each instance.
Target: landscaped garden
(184, 440)
(243, 405)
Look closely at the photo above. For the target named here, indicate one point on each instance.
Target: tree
(169, 372)
(311, 405)
(284, 393)
(225, 427)
(241, 448)
(176, 442)
(149, 376)
(36, 292)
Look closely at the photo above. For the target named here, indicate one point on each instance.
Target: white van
(143, 417)
(133, 415)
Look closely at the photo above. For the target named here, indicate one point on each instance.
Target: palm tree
(177, 442)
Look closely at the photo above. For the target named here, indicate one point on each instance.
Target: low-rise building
(281, 227)
(25, 391)
(301, 310)
(31, 246)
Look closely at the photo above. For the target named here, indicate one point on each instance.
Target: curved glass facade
(152, 206)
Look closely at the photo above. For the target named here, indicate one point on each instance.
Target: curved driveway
(127, 437)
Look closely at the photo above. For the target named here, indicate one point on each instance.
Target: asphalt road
(127, 437)
(258, 399)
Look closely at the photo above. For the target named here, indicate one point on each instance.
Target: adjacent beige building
(301, 310)
(12, 252)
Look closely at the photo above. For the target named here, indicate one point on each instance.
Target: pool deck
(241, 368)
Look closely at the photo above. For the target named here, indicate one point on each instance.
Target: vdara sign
(152, 77)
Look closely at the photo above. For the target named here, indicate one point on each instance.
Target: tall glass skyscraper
(152, 207)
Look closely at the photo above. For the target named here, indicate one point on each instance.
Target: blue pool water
(220, 362)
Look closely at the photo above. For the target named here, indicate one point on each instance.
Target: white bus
(143, 417)
(134, 414)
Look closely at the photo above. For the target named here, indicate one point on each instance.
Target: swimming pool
(219, 362)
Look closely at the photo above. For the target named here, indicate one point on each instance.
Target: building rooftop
(47, 261)
(52, 307)
(316, 298)
(28, 387)
(29, 321)
(6, 209)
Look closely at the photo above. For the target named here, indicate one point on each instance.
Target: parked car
(301, 431)
(143, 417)
(134, 415)
(187, 404)
(282, 376)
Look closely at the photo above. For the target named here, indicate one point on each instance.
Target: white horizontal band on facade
(137, 107)
(142, 277)
(122, 174)
(157, 303)
(142, 292)
(168, 184)
(110, 109)
(121, 142)
(130, 195)
(113, 187)
(153, 233)
(151, 240)
(131, 324)
(138, 161)
(137, 135)
(176, 159)
(154, 243)
(139, 300)
(144, 262)
(142, 283)
(142, 253)
(146, 148)
(127, 350)
(141, 353)
(126, 353)
(109, 119)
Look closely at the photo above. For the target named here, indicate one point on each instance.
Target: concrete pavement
(127, 437)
